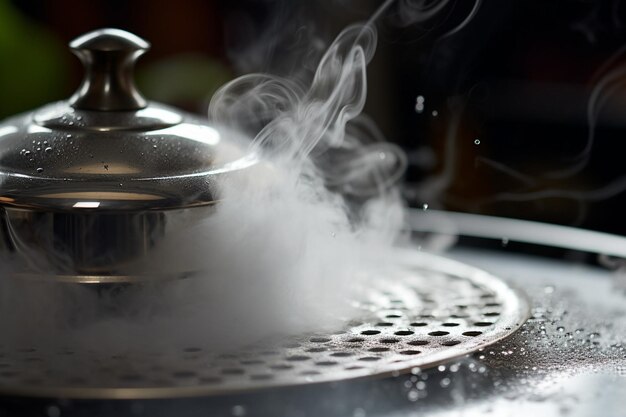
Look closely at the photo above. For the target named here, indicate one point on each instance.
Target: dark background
(511, 88)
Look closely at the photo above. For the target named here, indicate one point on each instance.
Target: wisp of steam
(290, 243)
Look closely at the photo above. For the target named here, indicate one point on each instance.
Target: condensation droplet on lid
(441, 368)
(425, 206)
(413, 395)
(40, 170)
(445, 382)
(476, 141)
(560, 329)
(435, 113)
(48, 149)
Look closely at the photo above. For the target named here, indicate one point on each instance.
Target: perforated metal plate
(433, 311)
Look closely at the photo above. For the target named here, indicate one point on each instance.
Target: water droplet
(425, 206)
(476, 141)
(53, 411)
(40, 170)
(441, 368)
(445, 382)
(560, 329)
(358, 412)
(38, 149)
(238, 411)
(419, 99)
(413, 395)
(548, 289)
(48, 149)
(435, 113)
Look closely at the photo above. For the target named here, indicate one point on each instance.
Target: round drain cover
(433, 311)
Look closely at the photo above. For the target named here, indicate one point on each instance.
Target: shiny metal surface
(109, 57)
(91, 181)
(90, 247)
(427, 312)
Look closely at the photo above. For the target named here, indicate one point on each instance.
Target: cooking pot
(91, 185)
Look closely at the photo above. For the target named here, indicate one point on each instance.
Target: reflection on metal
(513, 230)
(87, 204)
(427, 311)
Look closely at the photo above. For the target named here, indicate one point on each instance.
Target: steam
(290, 244)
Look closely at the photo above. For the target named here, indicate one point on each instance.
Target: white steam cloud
(291, 242)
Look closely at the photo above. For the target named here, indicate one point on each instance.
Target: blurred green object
(33, 63)
(186, 80)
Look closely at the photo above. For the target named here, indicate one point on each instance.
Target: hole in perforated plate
(379, 349)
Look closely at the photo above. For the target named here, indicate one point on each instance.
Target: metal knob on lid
(109, 57)
(88, 186)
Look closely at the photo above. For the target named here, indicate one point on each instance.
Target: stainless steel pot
(91, 185)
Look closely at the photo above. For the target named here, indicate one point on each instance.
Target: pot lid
(108, 148)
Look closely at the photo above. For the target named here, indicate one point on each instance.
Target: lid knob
(108, 56)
